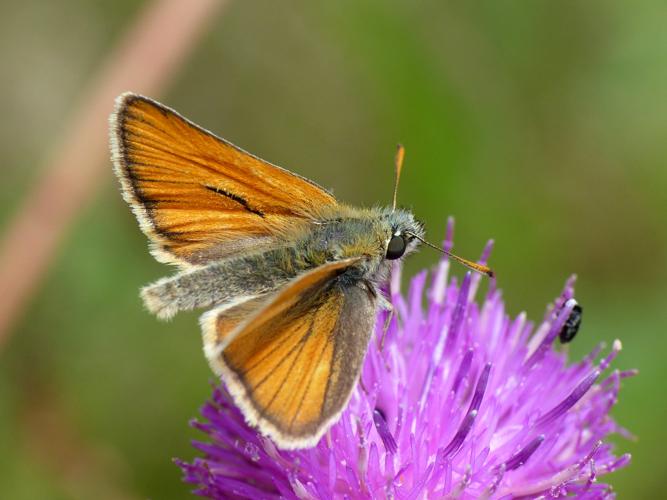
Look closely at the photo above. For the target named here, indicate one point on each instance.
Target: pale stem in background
(144, 61)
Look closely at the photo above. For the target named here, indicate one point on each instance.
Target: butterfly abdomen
(217, 283)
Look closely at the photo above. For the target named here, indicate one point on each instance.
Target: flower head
(456, 399)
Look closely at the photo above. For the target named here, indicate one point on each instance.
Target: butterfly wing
(292, 366)
(198, 197)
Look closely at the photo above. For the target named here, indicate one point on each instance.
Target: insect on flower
(463, 401)
(572, 324)
(290, 275)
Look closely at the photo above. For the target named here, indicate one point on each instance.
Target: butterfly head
(403, 233)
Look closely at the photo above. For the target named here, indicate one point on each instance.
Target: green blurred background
(540, 124)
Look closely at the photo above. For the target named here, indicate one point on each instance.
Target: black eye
(396, 247)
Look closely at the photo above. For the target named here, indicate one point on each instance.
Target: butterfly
(290, 276)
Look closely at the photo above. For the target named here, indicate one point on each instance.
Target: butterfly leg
(383, 303)
(385, 328)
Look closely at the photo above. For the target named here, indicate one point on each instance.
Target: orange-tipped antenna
(480, 268)
(398, 162)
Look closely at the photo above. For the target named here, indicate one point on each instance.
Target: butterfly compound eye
(396, 247)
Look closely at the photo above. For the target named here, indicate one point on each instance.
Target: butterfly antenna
(398, 162)
(480, 268)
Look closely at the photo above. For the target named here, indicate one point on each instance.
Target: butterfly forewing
(198, 197)
(291, 368)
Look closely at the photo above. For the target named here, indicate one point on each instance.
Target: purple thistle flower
(461, 401)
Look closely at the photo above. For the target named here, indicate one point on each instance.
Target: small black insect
(572, 324)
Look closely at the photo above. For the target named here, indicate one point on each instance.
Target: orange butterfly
(289, 274)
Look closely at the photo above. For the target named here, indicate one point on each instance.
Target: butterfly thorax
(354, 233)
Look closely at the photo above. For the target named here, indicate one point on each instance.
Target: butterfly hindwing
(200, 198)
(291, 366)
